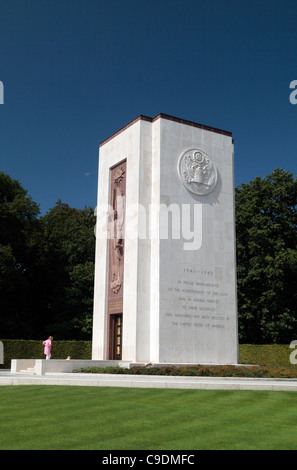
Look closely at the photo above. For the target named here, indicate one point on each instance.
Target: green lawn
(57, 417)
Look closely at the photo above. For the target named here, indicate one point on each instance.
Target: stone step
(29, 370)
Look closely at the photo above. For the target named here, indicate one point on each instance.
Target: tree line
(46, 267)
(47, 263)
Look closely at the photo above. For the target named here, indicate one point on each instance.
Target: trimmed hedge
(32, 349)
(272, 355)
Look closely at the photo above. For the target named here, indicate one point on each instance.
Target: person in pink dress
(47, 347)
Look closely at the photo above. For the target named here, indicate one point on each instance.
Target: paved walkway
(140, 381)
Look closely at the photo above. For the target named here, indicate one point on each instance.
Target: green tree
(266, 222)
(68, 271)
(46, 267)
(19, 233)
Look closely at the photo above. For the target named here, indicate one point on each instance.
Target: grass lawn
(58, 417)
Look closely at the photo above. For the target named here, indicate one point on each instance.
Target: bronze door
(116, 249)
(116, 336)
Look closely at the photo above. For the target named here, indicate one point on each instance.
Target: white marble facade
(179, 287)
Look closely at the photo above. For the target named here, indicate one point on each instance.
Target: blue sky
(74, 72)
